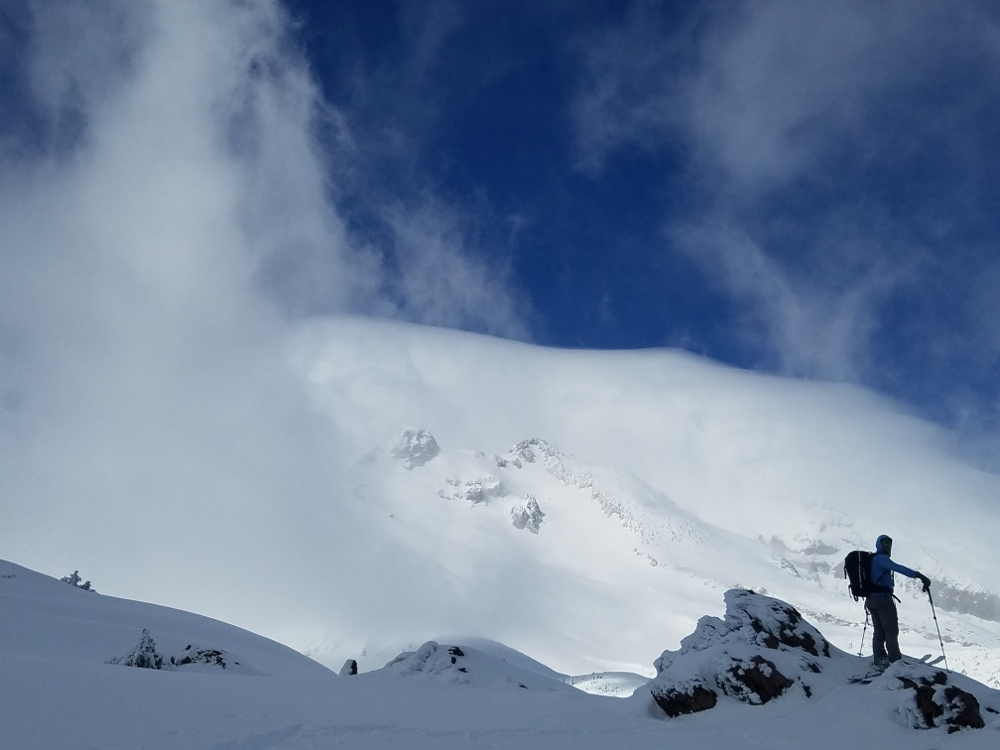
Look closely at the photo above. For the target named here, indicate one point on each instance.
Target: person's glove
(925, 581)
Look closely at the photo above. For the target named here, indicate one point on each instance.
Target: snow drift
(761, 674)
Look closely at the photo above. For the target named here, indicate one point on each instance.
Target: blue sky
(808, 188)
(798, 187)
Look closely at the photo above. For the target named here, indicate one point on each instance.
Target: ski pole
(862, 646)
(938, 626)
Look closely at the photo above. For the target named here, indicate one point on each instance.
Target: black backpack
(858, 569)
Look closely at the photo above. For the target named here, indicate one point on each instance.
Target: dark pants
(885, 623)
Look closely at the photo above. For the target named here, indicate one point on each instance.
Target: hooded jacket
(883, 567)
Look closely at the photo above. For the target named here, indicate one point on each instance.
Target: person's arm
(909, 572)
(890, 563)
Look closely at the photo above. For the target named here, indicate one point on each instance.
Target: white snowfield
(59, 691)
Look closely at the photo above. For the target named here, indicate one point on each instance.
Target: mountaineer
(881, 602)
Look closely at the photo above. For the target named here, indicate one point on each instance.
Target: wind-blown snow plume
(166, 214)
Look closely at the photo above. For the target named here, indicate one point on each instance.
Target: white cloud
(816, 326)
(440, 282)
(152, 263)
(763, 92)
(799, 124)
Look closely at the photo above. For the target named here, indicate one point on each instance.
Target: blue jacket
(882, 568)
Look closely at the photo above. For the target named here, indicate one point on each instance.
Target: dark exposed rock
(192, 655)
(349, 669)
(678, 702)
(755, 681)
(940, 704)
(963, 710)
(785, 628)
(928, 709)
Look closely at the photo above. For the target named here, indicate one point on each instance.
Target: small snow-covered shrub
(143, 656)
(78, 582)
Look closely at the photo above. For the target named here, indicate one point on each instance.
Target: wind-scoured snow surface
(65, 685)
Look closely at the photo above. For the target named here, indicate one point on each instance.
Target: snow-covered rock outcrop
(528, 516)
(476, 491)
(430, 659)
(146, 656)
(498, 667)
(934, 702)
(414, 447)
(763, 649)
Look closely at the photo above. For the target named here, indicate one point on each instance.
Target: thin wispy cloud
(830, 154)
(815, 328)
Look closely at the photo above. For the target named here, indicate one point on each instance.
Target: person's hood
(878, 543)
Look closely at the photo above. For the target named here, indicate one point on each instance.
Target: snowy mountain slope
(46, 620)
(663, 480)
(58, 691)
(646, 565)
(660, 480)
